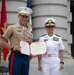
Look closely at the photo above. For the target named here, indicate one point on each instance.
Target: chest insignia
(55, 39)
(19, 31)
(45, 40)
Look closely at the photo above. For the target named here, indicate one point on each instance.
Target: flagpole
(0, 36)
(0, 45)
(0, 50)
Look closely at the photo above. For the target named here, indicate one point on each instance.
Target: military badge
(55, 39)
(45, 40)
(50, 21)
(19, 31)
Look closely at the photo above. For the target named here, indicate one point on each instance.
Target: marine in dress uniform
(18, 63)
(52, 62)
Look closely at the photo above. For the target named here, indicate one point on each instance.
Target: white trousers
(51, 68)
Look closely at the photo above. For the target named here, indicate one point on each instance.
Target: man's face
(22, 19)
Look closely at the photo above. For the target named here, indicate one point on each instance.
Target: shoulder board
(57, 35)
(43, 35)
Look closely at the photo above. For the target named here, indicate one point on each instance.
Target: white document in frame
(38, 48)
(25, 48)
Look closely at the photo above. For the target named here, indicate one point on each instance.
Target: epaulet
(57, 35)
(43, 35)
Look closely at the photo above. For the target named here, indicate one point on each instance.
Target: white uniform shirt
(53, 43)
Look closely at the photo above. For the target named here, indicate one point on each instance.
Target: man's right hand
(17, 48)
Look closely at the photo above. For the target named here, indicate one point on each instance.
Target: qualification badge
(45, 40)
(19, 31)
(55, 39)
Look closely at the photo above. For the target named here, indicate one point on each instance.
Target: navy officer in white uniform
(51, 63)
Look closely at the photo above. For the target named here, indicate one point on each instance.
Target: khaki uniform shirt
(16, 33)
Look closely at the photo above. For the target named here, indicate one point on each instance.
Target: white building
(61, 10)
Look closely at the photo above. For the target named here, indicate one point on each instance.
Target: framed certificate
(35, 48)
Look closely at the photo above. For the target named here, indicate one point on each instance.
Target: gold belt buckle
(49, 55)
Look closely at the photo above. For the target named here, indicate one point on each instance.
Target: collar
(18, 25)
(50, 36)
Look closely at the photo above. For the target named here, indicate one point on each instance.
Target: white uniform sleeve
(61, 45)
(40, 40)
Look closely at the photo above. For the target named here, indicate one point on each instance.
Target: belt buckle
(49, 55)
